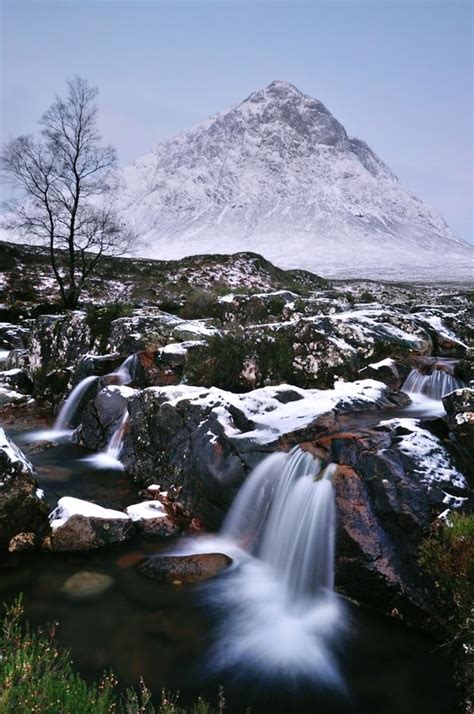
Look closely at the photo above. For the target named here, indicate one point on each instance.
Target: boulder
(98, 365)
(187, 569)
(392, 482)
(80, 525)
(13, 337)
(151, 519)
(17, 379)
(207, 440)
(59, 341)
(151, 328)
(102, 415)
(22, 506)
(459, 407)
(85, 585)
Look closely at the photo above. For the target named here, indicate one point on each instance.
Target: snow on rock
(207, 439)
(151, 518)
(291, 171)
(433, 465)
(69, 507)
(22, 505)
(81, 525)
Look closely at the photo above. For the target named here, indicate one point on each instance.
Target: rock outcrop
(22, 505)
(80, 525)
(459, 406)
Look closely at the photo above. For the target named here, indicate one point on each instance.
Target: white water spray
(285, 516)
(71, 405)
(124, 373)
(278, 617)
(110, 457)
(433, 386)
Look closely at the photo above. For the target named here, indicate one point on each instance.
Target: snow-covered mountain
(277, 174)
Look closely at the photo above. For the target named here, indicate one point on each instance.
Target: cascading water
(277, 614)
(124, 373)
(110, 457)
(285, 516)
(434, 386)
(70, 406)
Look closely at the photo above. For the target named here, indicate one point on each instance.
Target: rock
(102, 415)
(386, 371)
(393, 481)
(13, 337)
(18, 380)
(22, 506)
(151, 518)
(17, 359)
(98, 365)
(207, 440)
(23, 542)
(81, 525)
(59, 341)
(151, 328)
(85, 585)
(459, 407)
(185, 568)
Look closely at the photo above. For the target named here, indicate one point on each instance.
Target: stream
(139, 627)
(234, 631)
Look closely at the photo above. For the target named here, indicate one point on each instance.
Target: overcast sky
(397, 73)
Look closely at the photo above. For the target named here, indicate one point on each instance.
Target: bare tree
(65, 190)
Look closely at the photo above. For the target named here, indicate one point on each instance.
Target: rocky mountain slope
(278, 174)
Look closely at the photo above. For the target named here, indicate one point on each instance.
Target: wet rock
(13, 337)
(22, 506)
(151, 518)
(85, 585)
(459, 407)
(393, 481)
(386, 371)
(23, 542)
(102, 415)
(185, 568)
(18, 380)
(206, 440)
(98, 365)
(80, 525)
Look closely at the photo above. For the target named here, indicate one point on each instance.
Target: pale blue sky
(397, 73)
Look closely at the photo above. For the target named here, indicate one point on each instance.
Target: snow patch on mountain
(277, 174)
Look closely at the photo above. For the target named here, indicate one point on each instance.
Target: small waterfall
(285, 516)
(277, 615)
(124, 373)
(109, 458)
(71, 405)
(434, 385)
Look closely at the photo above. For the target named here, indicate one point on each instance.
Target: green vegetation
(239, 362)
(37, 676)
(99, 320)
(200, 303)
(447, 555)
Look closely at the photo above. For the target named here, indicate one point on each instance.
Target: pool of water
(163, 632)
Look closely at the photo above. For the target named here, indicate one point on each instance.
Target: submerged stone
(185, 568)
(86, 585)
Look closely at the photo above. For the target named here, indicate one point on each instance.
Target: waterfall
(277, 615)
(433, 386)
(285, 516)
(71, 405)
(109, 458)
(124, 373)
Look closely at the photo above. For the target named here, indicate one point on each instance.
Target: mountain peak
(277, 174)
(284, 110)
